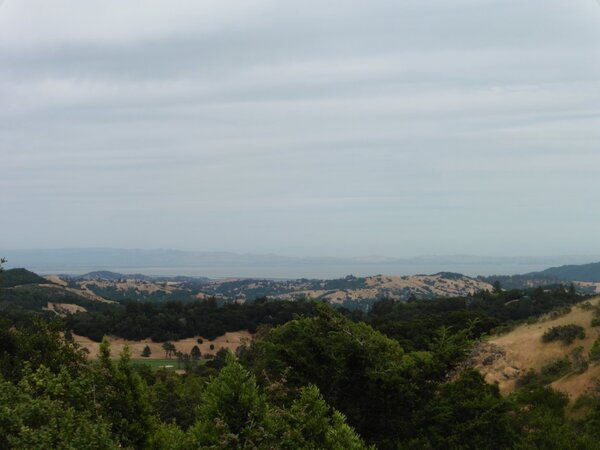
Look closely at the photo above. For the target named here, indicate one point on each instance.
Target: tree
(195, 353)
(176, 398)
(34, 417)
(359, 371)
(146, 352)
(311, 423)
(233, 413)
(497, 287)
(572, 290)
(2, 261)
(595, 351)
(123, 397)
(468, 414)
(169, 349)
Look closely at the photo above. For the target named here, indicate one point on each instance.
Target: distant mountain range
(225, 264)
(24, 289)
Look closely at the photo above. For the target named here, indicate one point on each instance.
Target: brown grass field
(229, 340)
(522, 349)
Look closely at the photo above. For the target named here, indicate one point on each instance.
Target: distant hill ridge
(108, 275)
(18, 277)
(582, 272)
(112, 276)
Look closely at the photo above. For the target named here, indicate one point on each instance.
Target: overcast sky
(400, 128)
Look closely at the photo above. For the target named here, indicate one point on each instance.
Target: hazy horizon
(168, 262)
(335, 128)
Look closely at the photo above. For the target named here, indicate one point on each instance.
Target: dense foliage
(176, 320)
(58, 400)
(21, 304)
(17, 277)
(413, 323)
(564, 333)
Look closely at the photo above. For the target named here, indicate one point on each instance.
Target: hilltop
(17, 277)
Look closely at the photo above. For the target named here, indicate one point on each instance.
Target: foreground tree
(123, 397)
(359, 371)
(235, 414)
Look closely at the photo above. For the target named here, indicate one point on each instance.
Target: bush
(586, 306)
(595, 351)
(559, 312)
(555, 370)
(580, 362)
(547, 374)
(565, 333)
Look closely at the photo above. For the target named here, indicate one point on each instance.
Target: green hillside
(17, 277)
(583, 272)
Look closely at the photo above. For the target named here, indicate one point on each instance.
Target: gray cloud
(398, 128)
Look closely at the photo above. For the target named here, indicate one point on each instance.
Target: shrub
(547, 374)
(555, 370)
(580, 362)
(559, 312)
(565, 333)
(586, 306)
(595, 351)
(146, 352)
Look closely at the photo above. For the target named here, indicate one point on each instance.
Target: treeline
(415, 322)
(131, 294)
(177, 320)
(411, 323)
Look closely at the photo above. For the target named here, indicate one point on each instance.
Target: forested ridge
(313, 377)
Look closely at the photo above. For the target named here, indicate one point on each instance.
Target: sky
(338, 128)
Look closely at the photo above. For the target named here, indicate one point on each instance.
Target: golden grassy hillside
(231, 341)
(503, 359)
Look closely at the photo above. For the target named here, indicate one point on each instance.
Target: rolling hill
(24, 293)
(583, 272)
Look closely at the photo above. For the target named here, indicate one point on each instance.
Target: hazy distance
(224, 264)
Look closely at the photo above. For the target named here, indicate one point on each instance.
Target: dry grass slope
(229, 340)
(503, 359)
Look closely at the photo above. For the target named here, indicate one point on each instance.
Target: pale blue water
(303, 271)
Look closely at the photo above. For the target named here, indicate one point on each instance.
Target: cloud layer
(340, 128)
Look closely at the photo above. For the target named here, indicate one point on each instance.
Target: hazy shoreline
(292, 272)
